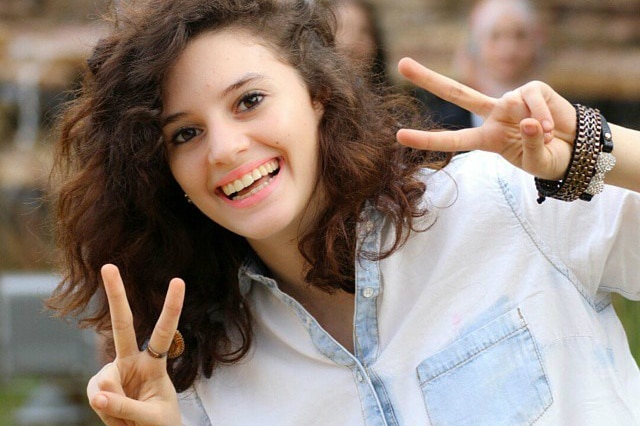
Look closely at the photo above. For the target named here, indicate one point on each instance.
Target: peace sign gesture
(135, 388)
(532, 127)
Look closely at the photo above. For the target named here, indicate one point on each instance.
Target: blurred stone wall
(49, 10)
(42, 47)
(594, 45)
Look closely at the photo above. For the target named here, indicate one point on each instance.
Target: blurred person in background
(503, 49)
(359, 35)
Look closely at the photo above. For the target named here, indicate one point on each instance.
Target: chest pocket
(492, 376)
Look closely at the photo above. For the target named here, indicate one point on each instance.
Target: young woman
(327, 274)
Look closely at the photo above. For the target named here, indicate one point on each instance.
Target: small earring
(187, 198)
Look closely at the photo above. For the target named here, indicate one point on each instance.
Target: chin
(265, 230)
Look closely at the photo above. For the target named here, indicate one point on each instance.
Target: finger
(446, 88)
(533, 95)
(535, 158)
(447, 141)
(97, 401)
(92, 387)
(115, 409)
(167, 324)
(124, 335)
(107, 379)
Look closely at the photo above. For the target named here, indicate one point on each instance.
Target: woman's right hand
(135, 388)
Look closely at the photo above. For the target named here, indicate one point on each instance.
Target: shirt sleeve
(598, 241)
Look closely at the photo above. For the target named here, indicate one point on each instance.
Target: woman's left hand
(533, 127)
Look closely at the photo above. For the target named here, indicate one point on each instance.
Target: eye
(185, 134)
(250, 101)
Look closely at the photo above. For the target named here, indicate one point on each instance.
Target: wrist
(591, 159)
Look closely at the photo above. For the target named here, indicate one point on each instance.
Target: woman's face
(508, 46)
(242, 135)
(355, 33)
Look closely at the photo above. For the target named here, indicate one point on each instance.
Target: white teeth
(253, 191)
(248, 179)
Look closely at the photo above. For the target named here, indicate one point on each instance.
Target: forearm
(626, 173)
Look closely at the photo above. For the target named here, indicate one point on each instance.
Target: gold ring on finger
(175, 350)
(155, 354)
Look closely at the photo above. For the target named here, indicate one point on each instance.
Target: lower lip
(258, 196)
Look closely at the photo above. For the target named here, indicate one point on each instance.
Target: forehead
(219, 52)
(220, 44)
(219, 63)
(498, 14)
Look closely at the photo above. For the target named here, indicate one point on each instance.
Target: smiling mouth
(252, 182)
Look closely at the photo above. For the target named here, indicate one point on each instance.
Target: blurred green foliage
(629, 313)
(12, 395)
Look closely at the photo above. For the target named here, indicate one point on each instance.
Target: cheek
(184, 170)
(174, 165)
(294, 131)
(488, 50)
(527, 51)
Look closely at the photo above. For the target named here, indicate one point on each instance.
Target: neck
(333, 311)
(280, 252)
(284, 261)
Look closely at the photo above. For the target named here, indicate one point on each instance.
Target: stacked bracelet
(605, 163)
(591, 158)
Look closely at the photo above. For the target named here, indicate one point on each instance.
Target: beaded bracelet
(591, 158)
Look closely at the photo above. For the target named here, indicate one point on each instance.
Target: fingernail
(530, 129)
(100, 401)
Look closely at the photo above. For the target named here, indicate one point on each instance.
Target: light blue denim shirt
(498, 314)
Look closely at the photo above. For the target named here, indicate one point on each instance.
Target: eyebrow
(245, 79)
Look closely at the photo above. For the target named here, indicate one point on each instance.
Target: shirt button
(368, 292)
(359, 377)
(368, 226)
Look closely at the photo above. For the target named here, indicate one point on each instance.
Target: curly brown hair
(117, 201)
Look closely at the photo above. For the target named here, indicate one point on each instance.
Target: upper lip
(245, 176)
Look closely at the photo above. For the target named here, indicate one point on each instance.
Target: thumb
(534, 152)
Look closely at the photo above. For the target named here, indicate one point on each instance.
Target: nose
(225, 142)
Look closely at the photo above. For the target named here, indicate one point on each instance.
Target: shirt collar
(253, 270)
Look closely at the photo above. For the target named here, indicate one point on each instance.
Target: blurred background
(591, 55)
